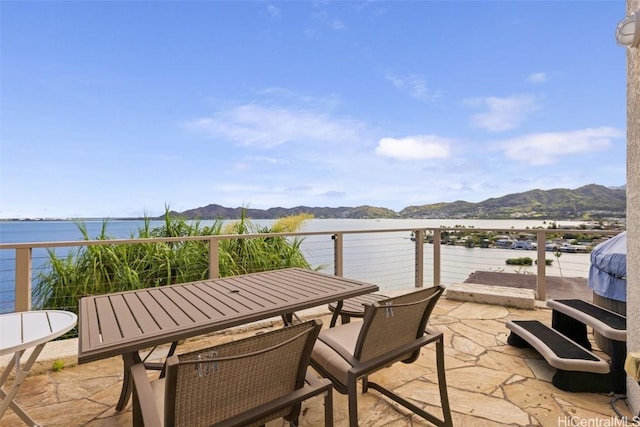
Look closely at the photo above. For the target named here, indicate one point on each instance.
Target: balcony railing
(391, 258)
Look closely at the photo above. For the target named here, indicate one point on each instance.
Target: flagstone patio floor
(489, 382)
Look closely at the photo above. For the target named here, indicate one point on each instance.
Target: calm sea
(386, 259)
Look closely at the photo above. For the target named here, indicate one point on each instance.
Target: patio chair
(392, 330)
(245, 382)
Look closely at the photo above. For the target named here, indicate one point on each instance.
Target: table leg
(19, 411)
(172, 350)
(287, 319)
(21, 374)
(7, 370)
(129, 360)
(159, 366)
(336, 312)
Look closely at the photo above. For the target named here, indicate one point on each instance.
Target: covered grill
(608, 280)
(608, 271)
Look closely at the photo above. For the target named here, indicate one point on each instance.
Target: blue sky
(112, 109)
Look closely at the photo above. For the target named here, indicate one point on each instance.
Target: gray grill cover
(608, 271)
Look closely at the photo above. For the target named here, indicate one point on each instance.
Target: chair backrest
(208, 386)
(395, 322)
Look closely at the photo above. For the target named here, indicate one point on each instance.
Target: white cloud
(273, 11)
(546, 148)
(537, 78)
(328, 20)
(334, 194)
(250, 162)
(264, 159)
(417, 147)
(337, 24)
(284, 96)
(414, 85)
(503, 113)
(262, 126)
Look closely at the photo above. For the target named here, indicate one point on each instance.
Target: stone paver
(489, 382)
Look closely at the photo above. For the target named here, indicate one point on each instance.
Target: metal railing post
(419, 268)
(214, 259)
(338, 254)
(23, 279)
(541, 239)
(436, 256)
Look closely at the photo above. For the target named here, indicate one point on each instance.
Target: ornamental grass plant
(100, 269)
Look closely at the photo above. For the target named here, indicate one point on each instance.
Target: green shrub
(526, 261)
(519, 261)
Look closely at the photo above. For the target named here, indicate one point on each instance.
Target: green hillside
(588, 202)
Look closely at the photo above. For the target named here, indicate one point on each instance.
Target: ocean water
(385, 258)
(58, 231)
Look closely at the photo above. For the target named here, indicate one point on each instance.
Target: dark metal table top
(125, 322)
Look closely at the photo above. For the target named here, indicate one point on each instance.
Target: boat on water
(551, 247)
(524, 245)
(575, 249)
(503, 243)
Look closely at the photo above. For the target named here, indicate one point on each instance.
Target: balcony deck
(489, 382)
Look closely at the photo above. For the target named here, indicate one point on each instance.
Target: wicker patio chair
(392, 330)
(245, 382)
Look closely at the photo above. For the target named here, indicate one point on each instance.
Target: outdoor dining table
(125, 323)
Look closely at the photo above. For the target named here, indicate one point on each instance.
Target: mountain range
(588, 202)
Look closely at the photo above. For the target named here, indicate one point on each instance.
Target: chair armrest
(397, 354)
(432, 335)
(145, 410)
